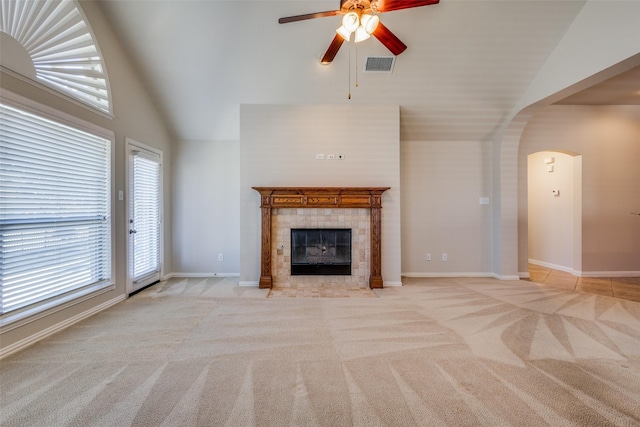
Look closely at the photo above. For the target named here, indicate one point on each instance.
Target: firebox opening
(320, 252)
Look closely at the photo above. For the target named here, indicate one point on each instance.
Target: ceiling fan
(360, 18)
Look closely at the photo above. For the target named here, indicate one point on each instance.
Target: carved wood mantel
(322, 197)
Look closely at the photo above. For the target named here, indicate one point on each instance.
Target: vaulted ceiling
(467, 64)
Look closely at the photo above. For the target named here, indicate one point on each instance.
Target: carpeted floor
(452, 352)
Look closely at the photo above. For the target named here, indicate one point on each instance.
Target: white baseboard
(203, 275)
(46, 333)
(443, 274)
(552, 266)
(524, 275)
(506, 276)
(388, 283)
(585, 273)
(608, 273)
(464, 274)
(248, 283)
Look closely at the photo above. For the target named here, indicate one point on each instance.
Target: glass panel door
(144, 218)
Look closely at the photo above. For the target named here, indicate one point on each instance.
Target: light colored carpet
(442, 352)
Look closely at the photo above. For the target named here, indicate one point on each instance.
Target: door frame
(131, 144)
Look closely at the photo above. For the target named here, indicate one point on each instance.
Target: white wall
(278, 146)
(442, 183)
(206, 217)
(608, 138)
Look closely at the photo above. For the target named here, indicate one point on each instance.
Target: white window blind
(145, 215)
(61, 45)
(55, 213)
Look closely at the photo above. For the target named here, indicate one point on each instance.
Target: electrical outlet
(331, 156)
(319, 156)
(220, 257)
(445, 257)
(428, 257)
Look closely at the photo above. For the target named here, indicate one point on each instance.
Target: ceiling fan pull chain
(349, 79)
(356, 65)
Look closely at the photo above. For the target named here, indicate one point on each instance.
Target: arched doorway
(554, 210)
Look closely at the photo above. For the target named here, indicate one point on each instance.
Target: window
(55, 211)
(62, 51)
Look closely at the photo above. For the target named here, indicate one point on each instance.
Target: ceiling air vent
(379, 64)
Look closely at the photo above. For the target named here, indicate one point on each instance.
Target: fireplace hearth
(320, 252)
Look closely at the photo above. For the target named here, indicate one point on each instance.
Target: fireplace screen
(324, 251)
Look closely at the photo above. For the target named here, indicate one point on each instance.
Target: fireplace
(320, 252)
(328, 199)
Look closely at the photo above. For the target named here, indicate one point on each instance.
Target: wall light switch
(220, 257)
(120, 195)
(555, 193)
(484, 200)
(549, 168)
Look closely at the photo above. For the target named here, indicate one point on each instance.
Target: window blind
(55, 213)
(61, 46)
(145, 214)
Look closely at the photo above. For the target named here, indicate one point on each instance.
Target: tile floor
(619, 287)
(319, 291)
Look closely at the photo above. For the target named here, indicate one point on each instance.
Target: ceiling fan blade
(334, 47)
(387, 38)
(296, 18)
(389, 5)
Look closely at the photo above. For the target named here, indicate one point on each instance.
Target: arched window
(50, 41)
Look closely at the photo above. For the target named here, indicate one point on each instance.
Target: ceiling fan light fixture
(369, 23)
(344, 33)
(361, 34)
(351, 21)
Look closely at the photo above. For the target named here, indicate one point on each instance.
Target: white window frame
(15, 319)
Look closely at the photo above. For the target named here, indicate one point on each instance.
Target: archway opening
(554, 210)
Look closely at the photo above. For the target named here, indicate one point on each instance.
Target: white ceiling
(623, 89)
(466, 66)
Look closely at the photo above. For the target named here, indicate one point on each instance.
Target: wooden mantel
(322, 197)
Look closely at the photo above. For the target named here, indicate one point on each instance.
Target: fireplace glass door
(325, 252)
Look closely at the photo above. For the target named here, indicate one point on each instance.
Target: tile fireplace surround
(348, 207)
(284, 219)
